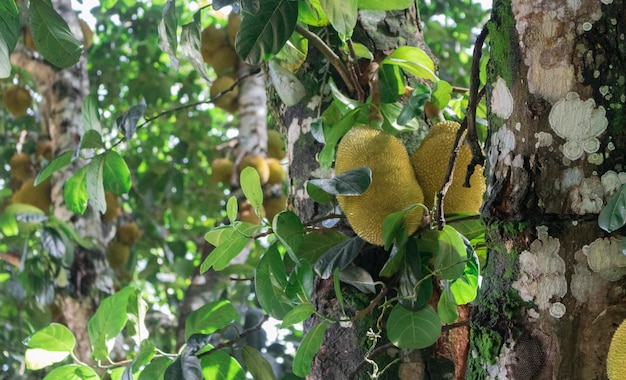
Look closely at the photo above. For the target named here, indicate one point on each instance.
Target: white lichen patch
(544, 139)
(503, 143)
(587, 198)
(557, 310)
(501, 100)
(579, 123)
(542, 271)
(571, 177)
(605, 257)
(612, 181)
(584, 284)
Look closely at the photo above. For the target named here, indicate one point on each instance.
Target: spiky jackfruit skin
(21, 166)
(276, 145)
(393, 186)
(430, 162)
(259, 163)
(17, 100)
(277, 174)
(129, 233)
(118, 254)
(273, 206)
(228, 101)
(38, 196)
(113, 206)
(616, 359)
(212, 38)
(222, 170)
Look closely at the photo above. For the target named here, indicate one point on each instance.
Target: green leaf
(9, 33)
(338, 292)
(394, 227)
(414, 60)
(288, 87)
(116, 174)
(221, 366)
(57, 163)
(342, 14)
(232, 208)
(259, 368)
(311, 13)
(298, 314)
(52, 35)
(251, 186)
(451, 254)
(53, 242)
(411, 273)
(315, 244)
(156, 369)
(264, 32)
(359, 278)
(391, 112)
(72, 372)
(414, 107)
(127, 123)
(136, 311)
(144, 356)
(613, 215)
(91, 115)
(413, 329)
(190, 44)
(270, 282)
(446, 307)
(309, 346)
(75, 191)
(49, 345)
(300, 285)
(210, 318)
(231, 243)
(351, 183)
(441, 94)
(184, 367)
(388, 5)
(361, 51)
(167, 31)
(335, 133)
(339, 256)
(95, 185)
(290, 231)
(464, 288)
(391, 83)
(471, 228)
(8, 225)
(317, 194)
(91, 140)
(108, 321)
(394, 262)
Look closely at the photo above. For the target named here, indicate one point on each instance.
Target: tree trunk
(552, 292)
(62, 92)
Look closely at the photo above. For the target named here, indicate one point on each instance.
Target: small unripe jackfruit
(430, 162)
(228, 101)
(113, 206)
(212, 39)
(277, 173)
(45, 150)
(393, 186)
(17, 100)
(616, 359)
(275, 145)
(259, 163)
(129, 233)
(221, 170)
(234, 22)
(21, 167)
(38, 196)
(118, 254)
(247, 213)
(225, 61)
(273, 206)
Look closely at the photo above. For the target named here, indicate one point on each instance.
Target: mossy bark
(545, 311)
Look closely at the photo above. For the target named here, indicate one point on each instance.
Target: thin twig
(331, 56)
(371, 356)
(373, 303)
(231, 343)
(456, 325)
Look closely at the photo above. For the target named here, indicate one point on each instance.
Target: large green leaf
(413, 329)
(451, 254)
(156, 369)
(290, 231)
(231, 243)
(446, 307)
(49, 345)
(210, 318)
(168, 41)
(9, 32)
(311, 13)
(72, 372)
(115, 172)
(251, 186)
(309, 346)
(414, 60)
(91, 115)
(342, 14)
(315, 244)
(57, 163)
(298, 314)
(190, 44)
(339, 256)
(259, 367)
(263, 33)
(270, 282)
(613, 215)
(221, 366)
(465, 287)
(394, 227)
(95, 183)
(75, 191)
(387, 5)
(52, 35)
(351, 183)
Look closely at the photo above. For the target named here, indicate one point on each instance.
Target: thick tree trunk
(62, 94)
(552, 292)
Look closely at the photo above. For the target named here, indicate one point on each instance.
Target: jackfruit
(393, 186)
(17, 100)
(259, 163)
(430, 162)
(228, 101)
(277, 173)
(273, 206)
(212, 39)
(45, 150)
(234, 22)
(113, 206)
(221, 170)
(38, 196)
(129, 233)
(225, 61)
(118, 254)
(616, 358)
(247, 214)
(21, 167)
(276, 144)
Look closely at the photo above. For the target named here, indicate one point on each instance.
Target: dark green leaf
(9, 33)
(298, 314)
(57, 163)
(72, 372)
(414, 107)
(116, 174)
(339, 256)
(91, 114)
(270, 282)
(317, 194)
(95, 183)
(156, 369)
(195, 343)
(468, 225)
(394, 262)
(391, 83)
(613, 215)
(185, 367)
(91, 140)
(127, 123)
(451, 252)
(259, 368)
(190, 45)
(52, 242)
(263, 33)
(388, 5)
(342, 14)
(290, 231)
(351, 183)
(413, 329)
(52, 35)
(210, 318)
(315, 244)
(446, 307)
(144, 356)
(300, 286)
(359, 278)
(414, 296)
(251, 186)
(221, 366)
(334, 134)
(75, 192)
(394, 227)
(309, 346)
(167, 31)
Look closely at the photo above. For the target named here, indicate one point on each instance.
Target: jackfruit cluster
(430, 163)
(118, 250)
(218, 50)
(616, 358)
(23, 170)
(393, 186)
(16, 99)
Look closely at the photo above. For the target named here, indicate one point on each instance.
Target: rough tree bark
(552, 291)
(62, 92)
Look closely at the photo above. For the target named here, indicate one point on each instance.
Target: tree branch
(231, 343)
